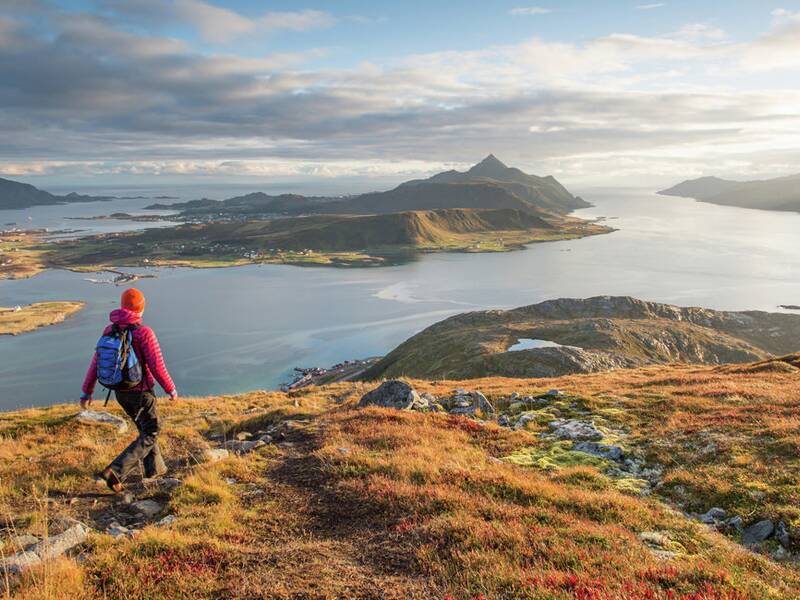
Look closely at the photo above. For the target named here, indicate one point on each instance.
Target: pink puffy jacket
(145, 344)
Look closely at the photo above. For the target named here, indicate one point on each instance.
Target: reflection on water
(236, 329)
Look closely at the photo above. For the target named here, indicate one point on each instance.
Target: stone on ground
(391, 394)
(93, 417)
(575, 430)
(215, 454)
(757, 532)
(147, 508)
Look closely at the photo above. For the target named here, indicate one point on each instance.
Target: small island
(22, 319)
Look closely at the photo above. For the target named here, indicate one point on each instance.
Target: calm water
(231, 330)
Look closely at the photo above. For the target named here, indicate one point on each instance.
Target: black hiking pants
(141, 407)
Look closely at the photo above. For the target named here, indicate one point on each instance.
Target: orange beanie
(133, 299)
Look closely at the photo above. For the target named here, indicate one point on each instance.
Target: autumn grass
(374, 503)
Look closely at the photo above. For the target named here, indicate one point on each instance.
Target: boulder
(391, 394)
(147, 508)
(552, 394)
(93, 417)
(575, 430)
(470, 402)
(215, 454)
(757, 532)
(614, 453)
(57, 545)
(170, 483)
(20, 542)
(712, 516)
(19, 562)
(735, 522)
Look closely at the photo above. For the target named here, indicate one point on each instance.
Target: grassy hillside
(338, 240)
(352, 502)
(33, 316)
(598, 334)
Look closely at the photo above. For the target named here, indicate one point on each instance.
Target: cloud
(117, 101)
(216, 24)
(650, 6)
(528, 11)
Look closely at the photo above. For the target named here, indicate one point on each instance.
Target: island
(489, 208)
(22, 319)
(16, 195)
(780, 194)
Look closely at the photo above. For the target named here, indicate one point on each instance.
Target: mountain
(600, 489)
(781, 194)
(16, 195)
(489, 184)
(583, 336)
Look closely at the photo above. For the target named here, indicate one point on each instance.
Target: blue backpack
(118, 368)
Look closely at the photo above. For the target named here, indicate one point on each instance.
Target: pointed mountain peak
(488, 167)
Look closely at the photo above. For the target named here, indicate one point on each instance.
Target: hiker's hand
(85, 403)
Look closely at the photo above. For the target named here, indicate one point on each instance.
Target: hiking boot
(112, 481)
(157, 475)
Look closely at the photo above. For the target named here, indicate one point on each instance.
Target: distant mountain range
(782, 193)
(489, 184)
(15, 195)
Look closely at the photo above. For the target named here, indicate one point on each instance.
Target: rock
(125, 498)
(463, 410)
(116, 530)
(215, 454)
(524, 420)
(552, 394)
(712, 516)
(58, 544)
(22, 542)
(344, 451)
(19, 562)
(575, 430)
(614, 453)
(93, 417)
(243, 447)
(147, 508)
(391, 394)
(243, 436)
(168, 520)
(170, 483)
(735, 522)
(503, 421)
(758, 532)
(782, 535)
(266, 438)
(482, 403)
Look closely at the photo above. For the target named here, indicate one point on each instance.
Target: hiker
(133, 386)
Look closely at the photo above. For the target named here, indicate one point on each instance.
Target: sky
(614, 93)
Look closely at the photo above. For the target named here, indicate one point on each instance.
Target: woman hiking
(137, 397)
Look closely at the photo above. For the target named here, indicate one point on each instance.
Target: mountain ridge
(778, 194)
(17, 195)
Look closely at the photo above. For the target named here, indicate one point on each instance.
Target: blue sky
(595, 92)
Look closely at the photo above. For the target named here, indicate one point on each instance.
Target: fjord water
(237, 329)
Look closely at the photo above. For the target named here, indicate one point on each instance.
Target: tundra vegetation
(336, 500)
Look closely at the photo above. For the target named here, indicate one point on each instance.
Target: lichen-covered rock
(93, 417)
(575, 430)
(57, 545)
(782, 535)
(215, 454)
(391, 394)
(147, 508)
